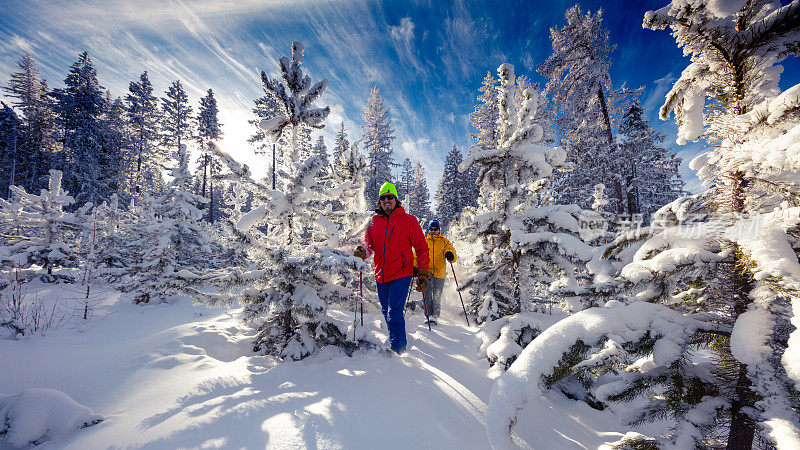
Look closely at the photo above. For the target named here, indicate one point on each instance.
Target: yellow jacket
(437, 245)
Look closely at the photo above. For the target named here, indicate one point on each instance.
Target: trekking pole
(408, 297)
(355, 321)
(361, 293)
(425, 305)
(459, 292)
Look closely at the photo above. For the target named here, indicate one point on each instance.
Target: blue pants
(392, 296)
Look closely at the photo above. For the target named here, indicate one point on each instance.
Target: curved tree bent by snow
(520, 242)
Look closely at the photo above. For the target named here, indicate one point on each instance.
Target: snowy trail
(177, 376)
(166, 378)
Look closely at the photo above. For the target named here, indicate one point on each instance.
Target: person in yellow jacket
(440, 249)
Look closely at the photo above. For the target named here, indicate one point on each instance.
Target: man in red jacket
(391, 237)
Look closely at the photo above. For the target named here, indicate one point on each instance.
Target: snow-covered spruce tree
(208, 131)
(723, 264)
(649, 170)
(320, 150)
(377, 140)
(37, 143)
(584, 107)
(114, 144)
(419, 205)
(519, 241)
(304, 141)
(39, 231)
(235, 243)
(353, 217)
(10, 147)
(341, 146)
(177, 125)
(171, 244)
(405, 184)
(484, 117)
(80, 107)
(450, 192)
(145, 157)
(110, 223)
(298, 277)
(266, 108)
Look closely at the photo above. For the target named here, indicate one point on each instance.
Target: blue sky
(428, 57)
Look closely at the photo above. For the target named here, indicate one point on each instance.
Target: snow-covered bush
(22, 313)
(595, 341)
(37, 415)
(503, 339)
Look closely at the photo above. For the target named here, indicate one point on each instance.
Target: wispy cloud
(403, 32)
(428, 68)
(655, 95)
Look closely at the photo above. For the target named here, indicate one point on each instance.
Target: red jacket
(391, 239)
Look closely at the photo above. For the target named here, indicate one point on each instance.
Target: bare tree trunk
(211, 194)
(611, 146)
(742, 426)
(205, 171)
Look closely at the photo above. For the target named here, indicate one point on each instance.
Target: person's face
(388, 202)
(433, 230)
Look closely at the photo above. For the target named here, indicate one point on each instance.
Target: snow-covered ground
(183, 376)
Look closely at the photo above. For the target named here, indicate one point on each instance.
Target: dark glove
(360, 252)
(424, 275)
(449, 255)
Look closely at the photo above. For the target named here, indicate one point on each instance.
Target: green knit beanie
(388, 188)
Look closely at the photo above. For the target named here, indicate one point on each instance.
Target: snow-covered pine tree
(649, 170)
(171, 244)
(177, 125)
(521, 244)
(320, 150)
(450, 196)
(145, 157)
(114, 144)
(80, 108)
(354, 216)
(266, 108)
(112, 249)
(420, 198)
(11, 146)
(584, 107)
(405, 183)
(304, 141)
(236, 244)
(377, 140)
(722, 265)
(38, 230)
(37, 143)
(208, 131)
(288, 298)
(484, 117)
(341, 146)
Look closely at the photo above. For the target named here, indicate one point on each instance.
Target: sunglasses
(433, 229)
(387, 197)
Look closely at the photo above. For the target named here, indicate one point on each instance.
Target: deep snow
(182, 376)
